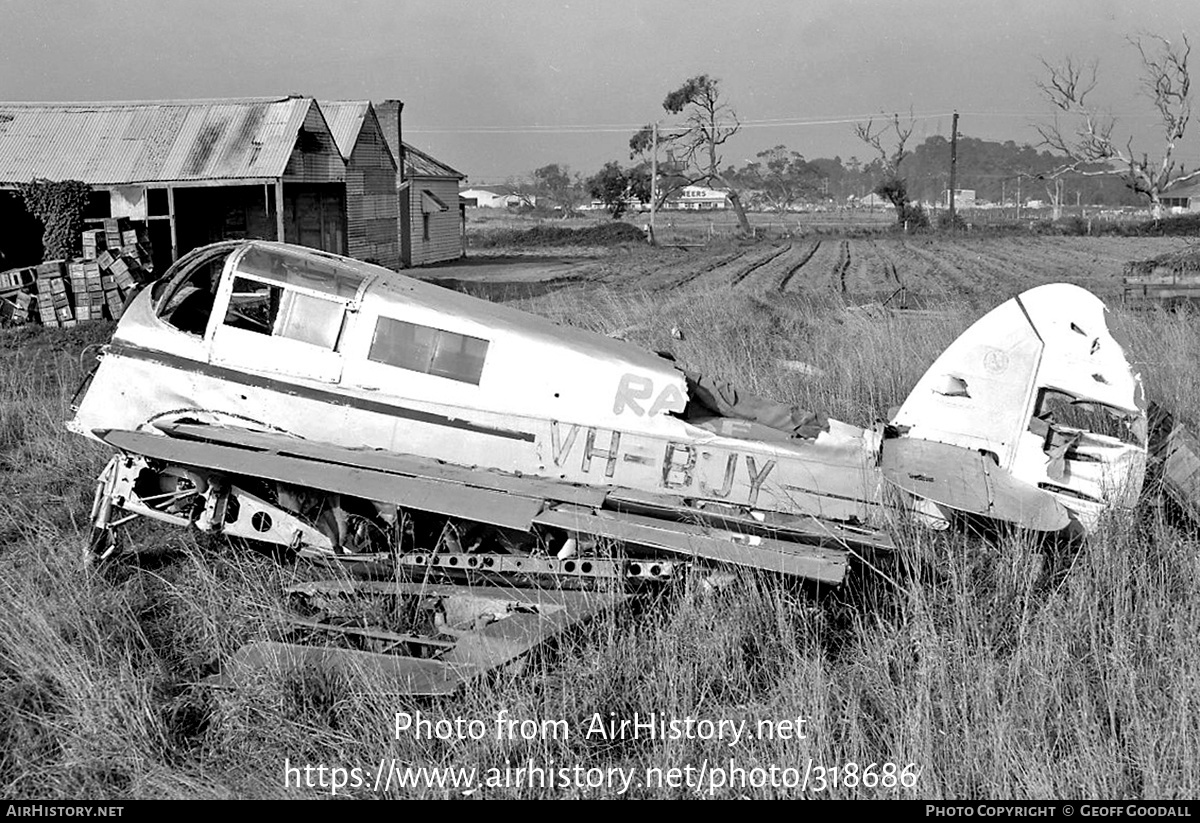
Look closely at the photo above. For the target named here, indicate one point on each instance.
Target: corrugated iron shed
(419, 164)
(148, 142)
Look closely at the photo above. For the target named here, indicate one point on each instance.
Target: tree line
(1082, 157)
(781, 179)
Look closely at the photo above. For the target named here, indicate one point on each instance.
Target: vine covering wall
(59, 205)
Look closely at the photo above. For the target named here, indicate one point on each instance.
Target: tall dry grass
(1000, 668)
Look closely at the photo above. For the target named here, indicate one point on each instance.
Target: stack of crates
(87, 290)
(122, 241)
(63, 293)
(54, 302)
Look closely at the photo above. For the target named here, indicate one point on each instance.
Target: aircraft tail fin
(1033, 416)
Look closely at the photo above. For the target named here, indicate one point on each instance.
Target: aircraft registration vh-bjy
(351, 413)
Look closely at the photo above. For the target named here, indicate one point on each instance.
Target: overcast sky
(500, 87)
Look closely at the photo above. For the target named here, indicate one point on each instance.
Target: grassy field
(979, 669)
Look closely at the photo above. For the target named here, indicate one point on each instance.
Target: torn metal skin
(368, 419)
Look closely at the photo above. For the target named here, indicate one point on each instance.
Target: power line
(608, 127)
(772, 122)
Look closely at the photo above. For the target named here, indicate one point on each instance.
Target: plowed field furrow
(988, 281)
(745, 271)
(814, 278)
(978, 270)
(840, 267)
(888, 274)
(935, 274)
(794, 268)
(648, 274)
(1036, 262)
(867, 276)
(711, 267)
(1032, 263)
(1029, 266)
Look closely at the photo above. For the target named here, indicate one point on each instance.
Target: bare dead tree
(893, 187)
(1086, 139)
(873, 136)
(695, 145)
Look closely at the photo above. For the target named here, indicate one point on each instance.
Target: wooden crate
(93, 243)
(114, 229)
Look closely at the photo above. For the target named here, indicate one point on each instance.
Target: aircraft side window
(310, 319)
(253, 306)
(190, 302)
(271, 310)
(428, 350)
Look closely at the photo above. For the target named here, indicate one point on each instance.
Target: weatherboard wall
(372, 208)
(445, 227)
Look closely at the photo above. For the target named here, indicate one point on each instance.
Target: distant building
(190, 171)
(497, 198)
(700, 198)
(963, 199)
(1183, 198)
(869, 201)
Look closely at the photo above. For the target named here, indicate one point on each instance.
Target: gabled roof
(1186, 190)
(496, 191)
(345, 119)
(419, 164)
(112, 143)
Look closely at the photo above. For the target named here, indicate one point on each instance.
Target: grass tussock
(998, 668)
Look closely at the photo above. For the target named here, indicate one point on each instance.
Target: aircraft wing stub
(385, 461)
(426, 494)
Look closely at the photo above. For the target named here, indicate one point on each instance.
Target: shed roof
(113, 143)
(345, 119)
(419, 164)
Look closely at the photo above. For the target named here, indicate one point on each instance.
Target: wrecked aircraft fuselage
(349, 412)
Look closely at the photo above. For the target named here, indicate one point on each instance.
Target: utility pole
(1018, 197)
(953, 164)
(653, 179)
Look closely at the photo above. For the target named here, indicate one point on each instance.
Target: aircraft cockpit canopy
(274, 290)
